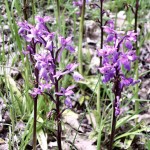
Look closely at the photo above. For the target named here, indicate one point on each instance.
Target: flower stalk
(34, 124)
(137, 53)
(81, 28)
(35, 112)
(101, 46)
(117, 93)
(58, 119)
(58, 14)
(33, 9)
(99, 86)
(25, 7)
(35, 99)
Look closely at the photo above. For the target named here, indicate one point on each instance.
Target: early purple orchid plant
(117, 52)
(45, 63)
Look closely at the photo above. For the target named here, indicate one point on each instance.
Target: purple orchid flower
(45, 86)
(68, 102)
(35, 92)
(66, 44)
(78, 3)
(66, 92)
(42, 19)
(69, 68)
(114, 57)
(128, 44)
(77, 76)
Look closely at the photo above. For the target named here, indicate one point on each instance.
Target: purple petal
(117, 111)
(132, 35)
(58, 74)
(35, 92)
(43, 74)
(71, 87)
(110, 38)
(62, 92)
(69, 92)
(132, 55)
(40, 26)
(42, 20)
(109, 30)
(49, 45)
(77, 76)
(128, 44)
(127, 65)
(71, 66)
(78, 3)
(59, 55)
(135, 82)
(46, 18)
(125, 81)
(29, 37)
(68, 102)
(45, 86)
(25, 52)
(70, 48)
(102, 52)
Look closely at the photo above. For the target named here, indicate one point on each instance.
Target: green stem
(98, 105)
(99, 136)
(74, 24)
(81, 38)
(137, 53)
(26, 62)
(58, 14)
(33, 10)
(99, 87)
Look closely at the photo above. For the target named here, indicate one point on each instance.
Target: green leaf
(91, 83)
(42, 139)
(27, 133)
(15, 95)
(125, 120)
(137, 132)
(148, 144)
(81, 100)
(128, 141)
(96, 114)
